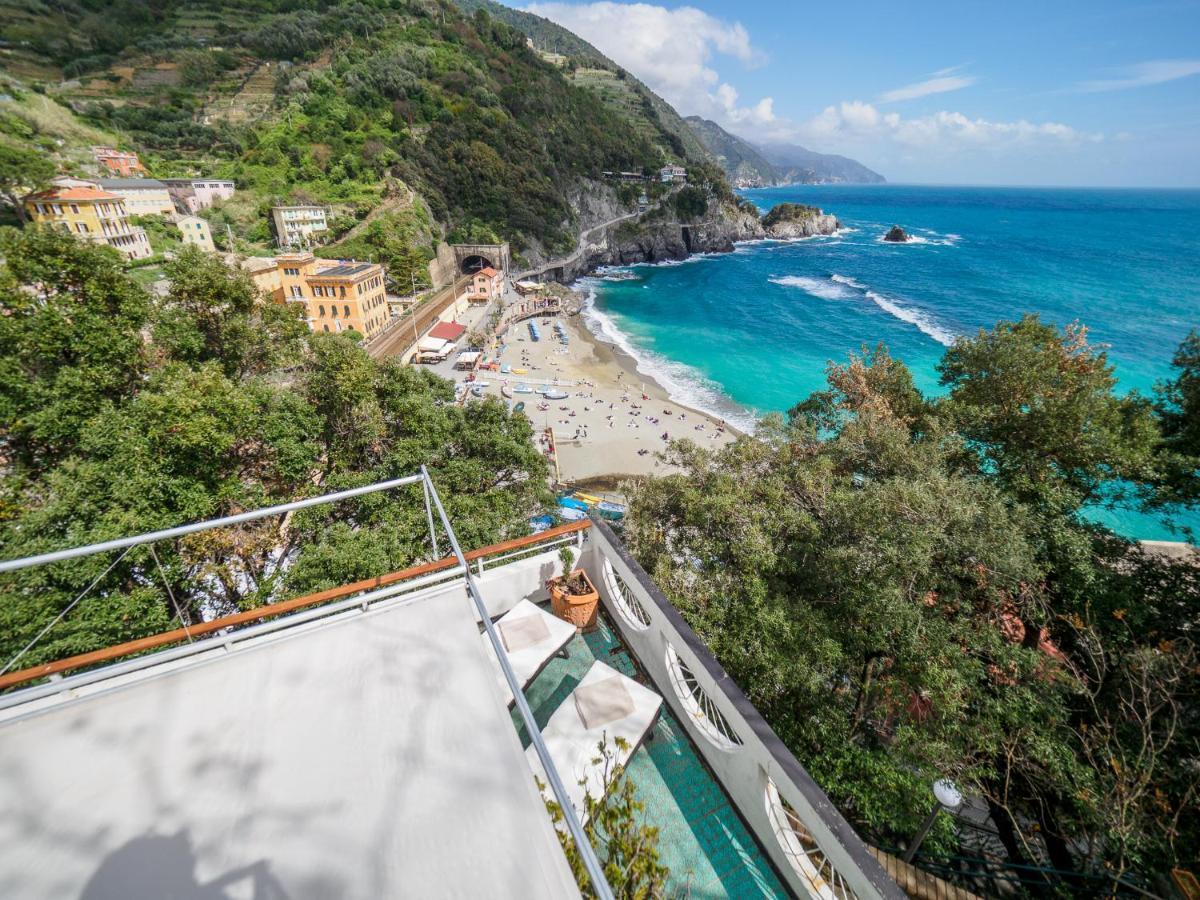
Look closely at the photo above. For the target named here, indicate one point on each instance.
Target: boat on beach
(506, 391)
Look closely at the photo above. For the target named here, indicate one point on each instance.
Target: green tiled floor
(701, 839)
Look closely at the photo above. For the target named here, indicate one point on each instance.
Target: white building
(195, 232)
(298, 226)
(672, 174)
(142, 196)
(194, 194)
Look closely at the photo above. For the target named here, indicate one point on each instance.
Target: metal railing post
(590, 861)
(429, 516)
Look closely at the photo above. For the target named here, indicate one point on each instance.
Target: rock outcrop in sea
(788, 221)
(896, 235)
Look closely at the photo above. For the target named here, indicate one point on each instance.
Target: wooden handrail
(150, 642)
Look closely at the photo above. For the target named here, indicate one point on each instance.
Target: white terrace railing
(813, 847)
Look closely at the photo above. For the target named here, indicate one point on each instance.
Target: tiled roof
(73, 193)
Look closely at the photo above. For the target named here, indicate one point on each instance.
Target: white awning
(363, 755)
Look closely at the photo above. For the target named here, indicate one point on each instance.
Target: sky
(1054, 92)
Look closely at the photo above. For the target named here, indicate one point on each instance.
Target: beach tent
(434, 345)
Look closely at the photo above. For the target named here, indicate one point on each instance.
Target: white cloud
(938, 83)
(1143, 74)
(672, 50)
(855, 121)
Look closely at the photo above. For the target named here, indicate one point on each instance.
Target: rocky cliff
(668, 237)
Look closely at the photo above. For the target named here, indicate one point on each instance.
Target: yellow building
(338, 295)
(90, 214)
(264, 272)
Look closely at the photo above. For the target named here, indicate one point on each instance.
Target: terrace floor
(702, 840)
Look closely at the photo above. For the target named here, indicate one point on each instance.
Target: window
(292, 272)
(322, 308)
(343, 287)
(75, 208)
(326, 327)
(333, 310)
(347, 309)
(296, 291)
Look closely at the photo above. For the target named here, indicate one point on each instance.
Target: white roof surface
(367, 756)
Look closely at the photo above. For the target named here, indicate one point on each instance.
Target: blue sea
(752, 331)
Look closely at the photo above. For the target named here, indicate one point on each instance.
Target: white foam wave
(666, 263)
(937, 240)
(915, 317)
(683, 383)
(818, 287)
(849, 282)
(838, 287)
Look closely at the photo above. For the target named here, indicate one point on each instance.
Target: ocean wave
(842, 287)
(818, 287)
(922, 321)
(849, 282)
(683, 383)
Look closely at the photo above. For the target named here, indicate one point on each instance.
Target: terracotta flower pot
(578, 609)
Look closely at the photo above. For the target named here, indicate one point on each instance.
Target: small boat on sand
(520, 371)
(555, 394)
(523, 389)
(520, 407)
(505, 391)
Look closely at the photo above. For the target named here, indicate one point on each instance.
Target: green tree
(71, 340)
(1039, 409)
(1177, 402)
(22, 170)
(212, 312)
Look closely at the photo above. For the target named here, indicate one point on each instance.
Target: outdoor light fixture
(949, 796)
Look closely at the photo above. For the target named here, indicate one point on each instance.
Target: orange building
(338, 295)
(119, 162)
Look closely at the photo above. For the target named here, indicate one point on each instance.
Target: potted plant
(572, 596)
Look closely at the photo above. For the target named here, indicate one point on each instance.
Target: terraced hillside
(344, 104)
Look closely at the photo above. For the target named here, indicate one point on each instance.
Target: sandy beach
(613, 421)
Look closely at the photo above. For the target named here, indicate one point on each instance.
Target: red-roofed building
(119, 162)
(486, 284)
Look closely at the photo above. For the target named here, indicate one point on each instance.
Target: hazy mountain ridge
(763, 165)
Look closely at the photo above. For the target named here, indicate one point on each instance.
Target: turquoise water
(710, 853)
(749, 332)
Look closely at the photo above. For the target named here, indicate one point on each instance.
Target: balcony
(357, 742)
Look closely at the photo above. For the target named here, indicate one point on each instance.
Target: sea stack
(789, 221)
(896, 235)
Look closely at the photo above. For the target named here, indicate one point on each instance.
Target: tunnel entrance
(473, 263)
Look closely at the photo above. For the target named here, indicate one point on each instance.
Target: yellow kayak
(520, 371)
(588, 498)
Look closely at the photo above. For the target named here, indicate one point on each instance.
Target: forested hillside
(352, 104)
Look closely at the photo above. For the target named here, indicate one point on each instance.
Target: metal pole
(920, 836)
(12, 565)
(586, 851)
(429, 515)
